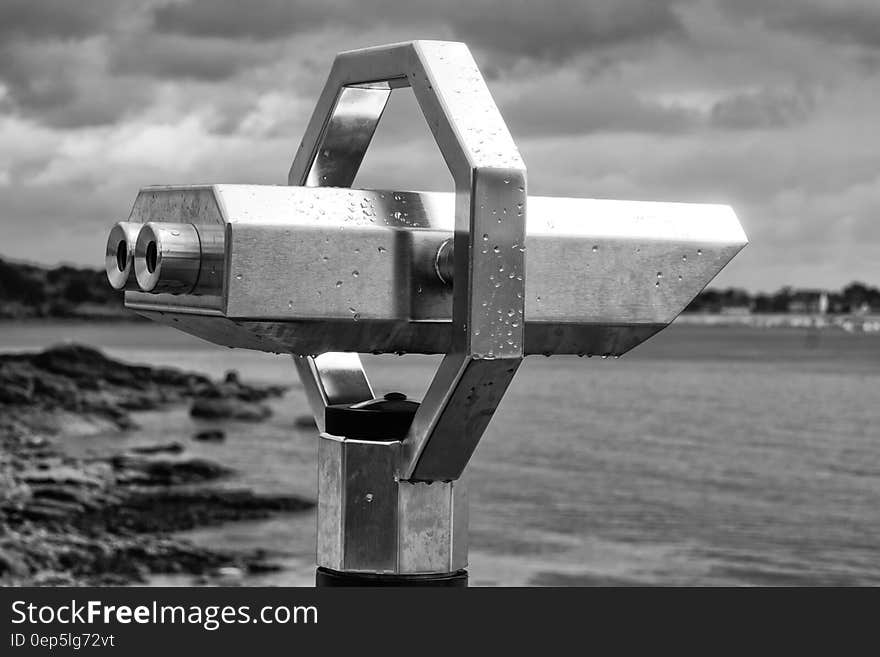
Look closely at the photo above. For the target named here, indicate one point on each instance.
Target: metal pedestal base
(327, 577)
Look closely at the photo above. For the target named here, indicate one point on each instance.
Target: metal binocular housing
(485, 276)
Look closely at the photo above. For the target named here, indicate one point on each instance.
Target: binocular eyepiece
(159, 257)
(119, 260)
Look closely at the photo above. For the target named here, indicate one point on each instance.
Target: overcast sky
(772, 106)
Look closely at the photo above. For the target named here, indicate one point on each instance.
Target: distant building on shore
(809, 302)
(736, 310)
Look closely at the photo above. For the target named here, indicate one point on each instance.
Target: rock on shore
(65, 520)
(233, 400)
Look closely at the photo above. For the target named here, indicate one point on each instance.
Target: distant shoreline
(869, 323)
(126, 317)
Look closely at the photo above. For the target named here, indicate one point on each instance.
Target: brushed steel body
(312, 270)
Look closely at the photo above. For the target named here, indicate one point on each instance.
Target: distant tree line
(33, 291)
(854, 298)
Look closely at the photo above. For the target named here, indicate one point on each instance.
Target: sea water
(708, 456)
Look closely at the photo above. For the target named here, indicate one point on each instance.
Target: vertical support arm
(490, 208)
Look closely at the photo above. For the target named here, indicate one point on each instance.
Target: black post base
(327, 577)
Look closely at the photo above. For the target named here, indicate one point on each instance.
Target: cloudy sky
(772, 106)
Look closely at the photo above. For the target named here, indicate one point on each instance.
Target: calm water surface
(708, 455)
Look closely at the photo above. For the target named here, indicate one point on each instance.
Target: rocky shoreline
(110, 520)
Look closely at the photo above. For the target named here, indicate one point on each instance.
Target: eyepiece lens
(122, 255)
(152, 257)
